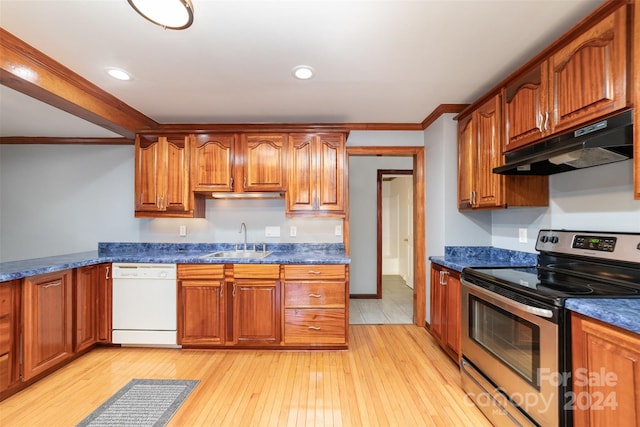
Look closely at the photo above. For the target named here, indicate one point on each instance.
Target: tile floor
(395, 307)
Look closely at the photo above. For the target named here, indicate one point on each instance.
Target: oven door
(514, 346)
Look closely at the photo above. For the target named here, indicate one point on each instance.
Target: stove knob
(555, 239)
(545, 239)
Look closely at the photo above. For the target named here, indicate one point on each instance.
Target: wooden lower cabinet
(201, 304)
(86, 286)
(316, 305)
(256, 304)
(9, 334)
(606, 374)
(446, 309)
(105, 286)
(47, 319)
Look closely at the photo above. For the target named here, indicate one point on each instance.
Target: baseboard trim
(363, 296)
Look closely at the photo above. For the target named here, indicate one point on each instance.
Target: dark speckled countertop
(170, 253)
(459, 257)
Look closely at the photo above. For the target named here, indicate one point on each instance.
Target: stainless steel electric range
(516, 330)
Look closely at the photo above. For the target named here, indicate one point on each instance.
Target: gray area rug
(141, 403)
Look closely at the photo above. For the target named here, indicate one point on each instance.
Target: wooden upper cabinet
(212, 166)
(588, 76)
(264, 162)
(466, 161)
(479, 151)
(488, 186)
(316, 182)
(526, 110)
(162, 189)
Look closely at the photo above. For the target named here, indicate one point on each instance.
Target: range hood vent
(599, 143)
(247, 195)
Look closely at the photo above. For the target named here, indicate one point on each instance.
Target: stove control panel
(611, 246)
(595, 243)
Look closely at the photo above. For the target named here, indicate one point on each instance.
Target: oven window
(513, 340)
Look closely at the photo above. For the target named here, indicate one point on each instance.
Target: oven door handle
(541, 312)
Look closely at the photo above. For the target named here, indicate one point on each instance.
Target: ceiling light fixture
(302, 72)
(171, 14)
(119, 74)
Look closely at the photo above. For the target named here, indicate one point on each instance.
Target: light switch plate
(338, 230)
(272, 231)
(183, 230)
(522, 235)
(293, 231)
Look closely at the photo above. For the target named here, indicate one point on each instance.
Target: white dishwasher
(144, 304)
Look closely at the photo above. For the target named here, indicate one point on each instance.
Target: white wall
(57, 199)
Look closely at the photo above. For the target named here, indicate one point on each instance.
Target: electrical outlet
(293, 231)
(522, 235)
(338, 230)
(183, 230)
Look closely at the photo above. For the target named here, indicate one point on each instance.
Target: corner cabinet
(316, 181)
(47, 316)
(315, 302)
(606, 374)
(86, 288)
(446, 309)
(479, 151)
(162, 188)
(201, 304)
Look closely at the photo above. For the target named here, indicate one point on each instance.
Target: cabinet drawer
(314, 294)
(256, 271)
(314, 326)
(5, 333)
(200, 271)
(5, 299)
(312, 272)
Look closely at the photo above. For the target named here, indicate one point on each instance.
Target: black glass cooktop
(553, 285)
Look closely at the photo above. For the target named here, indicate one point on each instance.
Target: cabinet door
(488, 186)
(264, 162)
(9, 333)
(104, 302)
(606, 374)
(47, 321)
(213, 162)
(202, 314)
(150, 172)
(436, 326)
(526, 108)
(466, 160)
(86, 307)
(301, 184)
(256, 312)
(177, 180)
(588, 76)
(330, 164)
(453, 315)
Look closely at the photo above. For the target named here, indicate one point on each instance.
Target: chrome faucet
(243, 226)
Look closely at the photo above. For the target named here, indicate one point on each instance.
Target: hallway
(395, 307)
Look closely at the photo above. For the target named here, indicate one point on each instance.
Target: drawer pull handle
(53, 284)
(315, 295)
(315, 328)
(315, 272)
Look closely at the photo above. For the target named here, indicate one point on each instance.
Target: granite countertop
(621, 312)
(170, 253)
(459, 257)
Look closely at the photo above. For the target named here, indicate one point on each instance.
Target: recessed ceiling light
(302, 72)
(119, 74)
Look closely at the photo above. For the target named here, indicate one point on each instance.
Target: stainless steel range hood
(599, 143)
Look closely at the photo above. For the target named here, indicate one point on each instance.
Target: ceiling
(376, 61)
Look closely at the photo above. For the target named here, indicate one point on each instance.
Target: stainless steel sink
(238, 254)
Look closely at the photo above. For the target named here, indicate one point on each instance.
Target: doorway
(416, 154)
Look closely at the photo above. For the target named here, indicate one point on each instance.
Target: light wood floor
(392, 375)
(395, 307)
